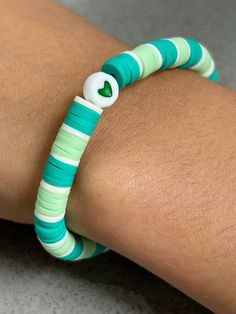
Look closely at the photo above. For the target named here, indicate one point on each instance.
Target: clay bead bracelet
(100, 90)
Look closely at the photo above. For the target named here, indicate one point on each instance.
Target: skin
(157, 182)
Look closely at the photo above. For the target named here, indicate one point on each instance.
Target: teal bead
(195, 53)
(58, 177)
(123, 67)
(82, 118)
(50, 232)
(167, 50)
(99, 249)
(61, 165)
(214, 76)
(77, 251)
(57, 182)
(113, 67)
(132, 65)
(54, 170)
(84, 112)
(80, 125)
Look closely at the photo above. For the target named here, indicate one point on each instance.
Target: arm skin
(157, 182)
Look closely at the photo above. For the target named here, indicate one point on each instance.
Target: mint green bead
(183, 49)
(195, 53)
(77, 251)
(52, 201)
(51, 207)
(47, 202)
(62, 153)
(52, 195)
(89, 247)
(73, 155)
(64, 248)
(76, 152)
(206, 64)
(167, 50)
(60, 141)
(71, 139)
(149, 59)
(50, 213)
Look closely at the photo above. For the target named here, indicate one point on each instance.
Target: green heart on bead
(106, 91)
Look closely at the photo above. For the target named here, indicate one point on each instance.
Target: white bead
(101, 89)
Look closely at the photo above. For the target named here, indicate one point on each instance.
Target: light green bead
(49, 199)
(61, 142)
(52, 200)
(50, 212)
(73, 155)
(76, 154)
(149, 58)
(206, 64)
(68, 145)
(89, 248)
(71, 139)
(64, 248)
(183, 51)
(52, 205)
(52, 195)
(55, 205)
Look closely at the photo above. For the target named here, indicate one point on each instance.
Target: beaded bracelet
(100, 90)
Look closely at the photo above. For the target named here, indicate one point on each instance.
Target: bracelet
(100, 90)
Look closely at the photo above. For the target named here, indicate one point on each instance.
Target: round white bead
(101, 89)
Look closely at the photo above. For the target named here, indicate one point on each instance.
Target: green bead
(183, 49)
(123, 67)
(149, 59)
(50, 232)
(195, 53)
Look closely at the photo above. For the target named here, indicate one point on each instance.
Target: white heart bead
(101, 89)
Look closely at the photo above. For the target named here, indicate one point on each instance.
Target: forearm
(157, 182)
(47, 54)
